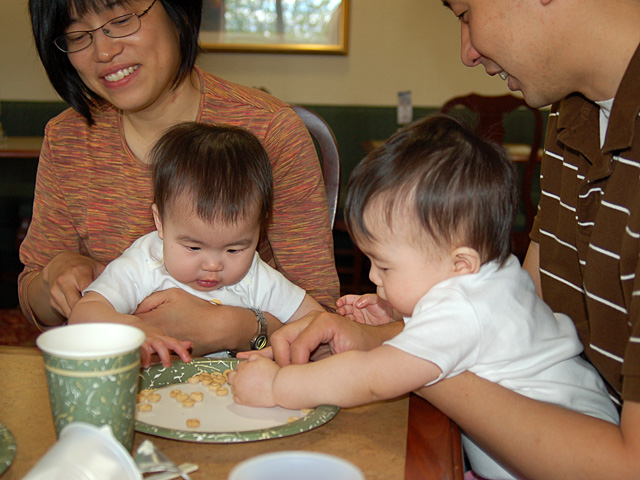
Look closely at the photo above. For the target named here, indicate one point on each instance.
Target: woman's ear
(157, 219)
(465, 260)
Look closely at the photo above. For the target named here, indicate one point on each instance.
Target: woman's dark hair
(50, 18)
(226, 170)
(460, 187)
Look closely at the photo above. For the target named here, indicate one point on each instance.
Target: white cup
(85, 452)
(295, 466)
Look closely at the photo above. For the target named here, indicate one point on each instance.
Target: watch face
(259, 342)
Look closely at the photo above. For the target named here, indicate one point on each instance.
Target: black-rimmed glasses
(118, 27)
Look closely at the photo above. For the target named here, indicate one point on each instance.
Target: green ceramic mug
(92, 374)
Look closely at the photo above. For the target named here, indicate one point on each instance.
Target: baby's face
(207, 256)
(402, 269)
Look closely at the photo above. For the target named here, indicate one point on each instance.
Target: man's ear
(157, 219)
(465, 260)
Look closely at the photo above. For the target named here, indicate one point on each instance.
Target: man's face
(507, 38)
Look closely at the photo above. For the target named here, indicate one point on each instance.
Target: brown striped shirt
(588, 228)
(94, 197)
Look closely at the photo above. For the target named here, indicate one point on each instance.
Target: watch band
(260, 340)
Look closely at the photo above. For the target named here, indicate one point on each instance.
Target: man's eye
(463, 17)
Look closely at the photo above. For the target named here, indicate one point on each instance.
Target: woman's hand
(369, 309)
(210, 328)
(64, 278)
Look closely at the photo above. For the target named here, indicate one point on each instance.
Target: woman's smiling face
(134, 72)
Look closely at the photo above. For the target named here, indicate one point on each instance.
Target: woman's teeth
(503, 75)
(120, 74)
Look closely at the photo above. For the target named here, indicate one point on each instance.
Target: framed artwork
(275, 26)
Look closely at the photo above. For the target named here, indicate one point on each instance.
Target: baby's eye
(234, 251)
(192, 249)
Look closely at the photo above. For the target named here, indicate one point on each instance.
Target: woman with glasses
(127, 69)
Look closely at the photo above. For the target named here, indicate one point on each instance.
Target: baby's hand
(369, 309)
(162, 345)
(252, 382)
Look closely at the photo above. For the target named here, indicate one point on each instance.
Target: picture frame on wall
(275, 26)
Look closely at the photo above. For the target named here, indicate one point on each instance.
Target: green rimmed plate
(7, 448)
(221, 420)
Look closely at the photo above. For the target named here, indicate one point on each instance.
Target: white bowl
(296, 466)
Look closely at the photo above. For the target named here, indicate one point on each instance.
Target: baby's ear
(465, 260)
(157, 219)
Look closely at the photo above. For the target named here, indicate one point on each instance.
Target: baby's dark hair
(463, 190)
(226, 170)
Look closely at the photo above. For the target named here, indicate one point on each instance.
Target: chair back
(329, 155)
(489, 113)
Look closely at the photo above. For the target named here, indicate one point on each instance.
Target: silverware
(150, 459)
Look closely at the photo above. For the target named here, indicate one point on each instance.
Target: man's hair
(225, 169)
(462, 190)
(51, 18)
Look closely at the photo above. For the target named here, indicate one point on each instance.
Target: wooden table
(375, 437)
(20, 147)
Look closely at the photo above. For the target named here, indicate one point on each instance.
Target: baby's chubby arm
(93, 307)
(369, 309)
(347, 379)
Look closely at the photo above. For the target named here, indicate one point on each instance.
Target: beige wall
(394, 46)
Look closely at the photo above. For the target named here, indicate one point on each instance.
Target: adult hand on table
(298, 342)
(66, 276)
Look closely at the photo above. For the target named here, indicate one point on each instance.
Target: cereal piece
(197, 396)
(213, 387)
(146, 392)
(226, 372)
(306, 411)
(206, 381)
(145, 407)
(193, 423)
(221, 392)
(194, 379)
(140, 398)
(175, 392)
(154, 397)
(181, 397)
(188, 403)
(292, 419)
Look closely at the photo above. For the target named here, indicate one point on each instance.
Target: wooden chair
(329, 155)
(489, 114)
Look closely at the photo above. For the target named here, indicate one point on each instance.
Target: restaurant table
(375, 437)
(20, 147)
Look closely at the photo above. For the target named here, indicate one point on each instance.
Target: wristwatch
(260, 340)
